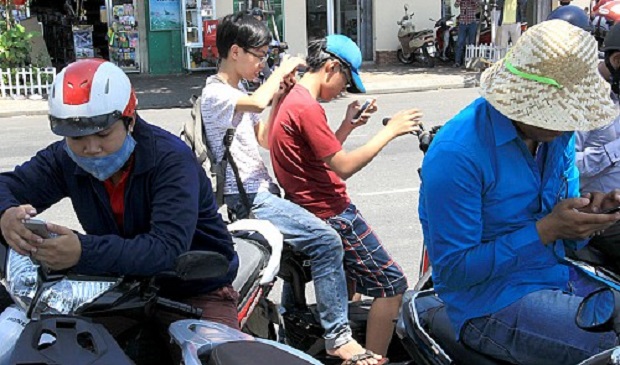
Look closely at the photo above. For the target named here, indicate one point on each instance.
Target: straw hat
(550, 80)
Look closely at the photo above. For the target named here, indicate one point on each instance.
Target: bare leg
(380, 326)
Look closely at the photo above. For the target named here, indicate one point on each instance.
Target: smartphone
(612, 210)
(362, 109)
(38, 227)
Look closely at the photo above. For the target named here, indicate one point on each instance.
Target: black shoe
(457, 65)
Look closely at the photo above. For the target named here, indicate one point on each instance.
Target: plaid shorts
(366, 261)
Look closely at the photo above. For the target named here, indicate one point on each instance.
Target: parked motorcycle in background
(415, 46)
(446, 36)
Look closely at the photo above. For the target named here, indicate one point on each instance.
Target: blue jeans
(316, 239)
(540, 329)
(467, 35)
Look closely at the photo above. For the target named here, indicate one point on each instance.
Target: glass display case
(123, 35)
(199, 27)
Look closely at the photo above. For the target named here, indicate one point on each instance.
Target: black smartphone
(612, 210)
(38, 227)
(362, 109)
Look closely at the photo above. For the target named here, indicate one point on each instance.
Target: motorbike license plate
(431, 50)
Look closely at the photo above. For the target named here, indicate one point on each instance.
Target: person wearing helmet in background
(598, 156)
(572, 14)
(137, 190)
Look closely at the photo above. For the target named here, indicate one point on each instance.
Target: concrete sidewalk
(174, 91)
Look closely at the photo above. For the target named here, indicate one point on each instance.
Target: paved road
(386, 191)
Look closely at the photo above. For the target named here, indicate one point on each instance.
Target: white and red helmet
(89, 96)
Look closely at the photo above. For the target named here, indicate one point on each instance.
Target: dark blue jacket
(169, 209)
(521, 11)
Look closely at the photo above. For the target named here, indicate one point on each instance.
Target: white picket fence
(488, 52)
(26, 81)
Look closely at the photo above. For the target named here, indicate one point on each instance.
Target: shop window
(347, 18)
(316, 19)
(272, 5)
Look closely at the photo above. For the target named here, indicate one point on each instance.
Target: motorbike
(60, 317)
(414, 45)
(302, 328)
(446, 36)
(427, 335)
(70, 318)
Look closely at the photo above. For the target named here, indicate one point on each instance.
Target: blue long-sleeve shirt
(482, 192)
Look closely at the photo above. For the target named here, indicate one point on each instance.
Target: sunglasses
(345, 67)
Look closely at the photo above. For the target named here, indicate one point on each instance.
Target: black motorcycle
(77, 319)
(95, 320)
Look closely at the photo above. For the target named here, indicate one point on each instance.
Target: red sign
(15, 2)
(209, 48)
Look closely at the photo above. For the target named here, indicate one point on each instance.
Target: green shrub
(14, 46)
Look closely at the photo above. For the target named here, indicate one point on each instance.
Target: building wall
(223, 7)
(385, 27)
(295, 29)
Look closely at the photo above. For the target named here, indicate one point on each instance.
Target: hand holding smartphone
(38, 227)
(612, 210)
(362, 109)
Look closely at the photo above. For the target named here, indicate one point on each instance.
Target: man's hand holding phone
(572, 219)
(60, 252)
(358, 115)
(16, 235)
(55, 246)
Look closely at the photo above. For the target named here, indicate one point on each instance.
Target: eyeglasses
(261, 58)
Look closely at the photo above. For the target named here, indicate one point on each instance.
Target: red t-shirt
(299, 140)
(116, 193)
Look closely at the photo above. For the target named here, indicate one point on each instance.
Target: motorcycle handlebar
(425, 137)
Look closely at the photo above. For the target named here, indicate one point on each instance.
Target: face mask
(104, 167)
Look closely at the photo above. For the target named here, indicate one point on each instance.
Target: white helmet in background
(89, 96)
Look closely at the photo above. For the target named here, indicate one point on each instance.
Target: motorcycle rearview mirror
(200, 265)
(598, 311)
(406, 8)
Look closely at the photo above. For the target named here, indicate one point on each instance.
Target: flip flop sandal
(365, 356)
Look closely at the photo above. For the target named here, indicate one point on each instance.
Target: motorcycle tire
(404, 59)
(450, 53)
(427, 61)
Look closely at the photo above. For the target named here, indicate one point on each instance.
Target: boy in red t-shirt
(310, 165)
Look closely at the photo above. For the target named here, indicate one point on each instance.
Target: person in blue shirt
(497, 225)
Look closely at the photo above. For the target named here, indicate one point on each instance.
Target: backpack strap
(228, 159)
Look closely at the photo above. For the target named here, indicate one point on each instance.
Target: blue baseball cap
(346, 51)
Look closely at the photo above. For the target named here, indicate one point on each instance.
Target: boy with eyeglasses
(311, 166)
(242, 42)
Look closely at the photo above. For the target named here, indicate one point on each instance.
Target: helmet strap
(615, 75)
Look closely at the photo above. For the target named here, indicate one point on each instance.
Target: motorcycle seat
(422, 33)
(439, 326)
(253, 258)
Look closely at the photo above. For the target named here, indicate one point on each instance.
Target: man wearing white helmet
(498, 225)
(136, 189)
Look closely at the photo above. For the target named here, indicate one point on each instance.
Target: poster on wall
(165, 14)
(83, 41)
